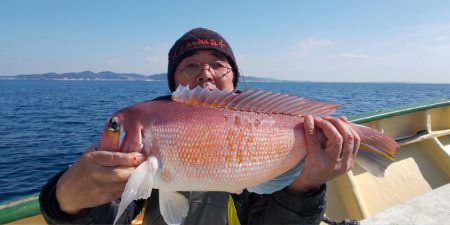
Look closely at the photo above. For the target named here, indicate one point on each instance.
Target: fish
(214, 140)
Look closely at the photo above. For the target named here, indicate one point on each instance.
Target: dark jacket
(280, 207)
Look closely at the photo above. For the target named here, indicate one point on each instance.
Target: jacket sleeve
(103, 214)
(281, 207)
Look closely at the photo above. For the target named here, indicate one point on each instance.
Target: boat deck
(432, 208)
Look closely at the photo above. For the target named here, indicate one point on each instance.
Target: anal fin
(173, 206)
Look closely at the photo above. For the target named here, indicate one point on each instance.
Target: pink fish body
(218, 141)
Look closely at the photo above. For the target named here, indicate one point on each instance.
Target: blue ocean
(46, 125)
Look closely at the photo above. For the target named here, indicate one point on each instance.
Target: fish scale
(227, 152)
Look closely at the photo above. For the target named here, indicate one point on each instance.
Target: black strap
(343, 222)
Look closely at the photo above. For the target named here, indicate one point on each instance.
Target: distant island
(108, 75)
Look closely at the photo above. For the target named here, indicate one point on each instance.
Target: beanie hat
(195, 40)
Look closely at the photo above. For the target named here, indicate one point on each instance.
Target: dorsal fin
(253, 101)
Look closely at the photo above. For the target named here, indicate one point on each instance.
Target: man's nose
(205, 74)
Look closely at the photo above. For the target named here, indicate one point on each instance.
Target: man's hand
(329, 158)
(98, 177)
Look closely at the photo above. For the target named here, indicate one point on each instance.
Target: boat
(25, 210)
(421, 169)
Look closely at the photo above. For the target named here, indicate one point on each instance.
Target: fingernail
(139, 157)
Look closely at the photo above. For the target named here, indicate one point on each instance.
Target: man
(88, 192)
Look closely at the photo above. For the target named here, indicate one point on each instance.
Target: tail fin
(380, 150)
(373, 163)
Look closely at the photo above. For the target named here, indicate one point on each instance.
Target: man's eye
(191, 66)
(218, 64)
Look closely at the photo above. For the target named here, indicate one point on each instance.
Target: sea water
(45, 125)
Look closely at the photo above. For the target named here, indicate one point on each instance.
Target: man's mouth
(208, 85)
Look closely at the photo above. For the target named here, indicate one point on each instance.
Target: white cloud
(354, 56)
(312, 43)
(307, 48)
(422, 35)
(441, 38)
(417, 53)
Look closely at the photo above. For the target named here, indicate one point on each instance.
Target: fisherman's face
(207, 69)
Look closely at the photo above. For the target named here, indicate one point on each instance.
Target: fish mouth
(141, 137)
(134, 148)
(121, 136)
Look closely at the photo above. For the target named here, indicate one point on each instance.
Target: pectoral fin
(173, 206)
(139, 185)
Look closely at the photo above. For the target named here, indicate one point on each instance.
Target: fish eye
(114, 125)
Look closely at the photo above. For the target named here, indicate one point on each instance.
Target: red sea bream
(206, 140)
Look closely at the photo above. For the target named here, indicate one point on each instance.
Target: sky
(344, 41)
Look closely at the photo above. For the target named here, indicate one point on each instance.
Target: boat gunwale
(372, 116)
(19, 208)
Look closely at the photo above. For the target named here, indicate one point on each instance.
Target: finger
(343, 118)
(357, 138)
(115, 188)
(357, 144)
(106, 158)
(348, 141)
(121, 175)
(348, 147)
(112, 175)
(92, 148)
(107, 195)
(334, 138)
(310, 133)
